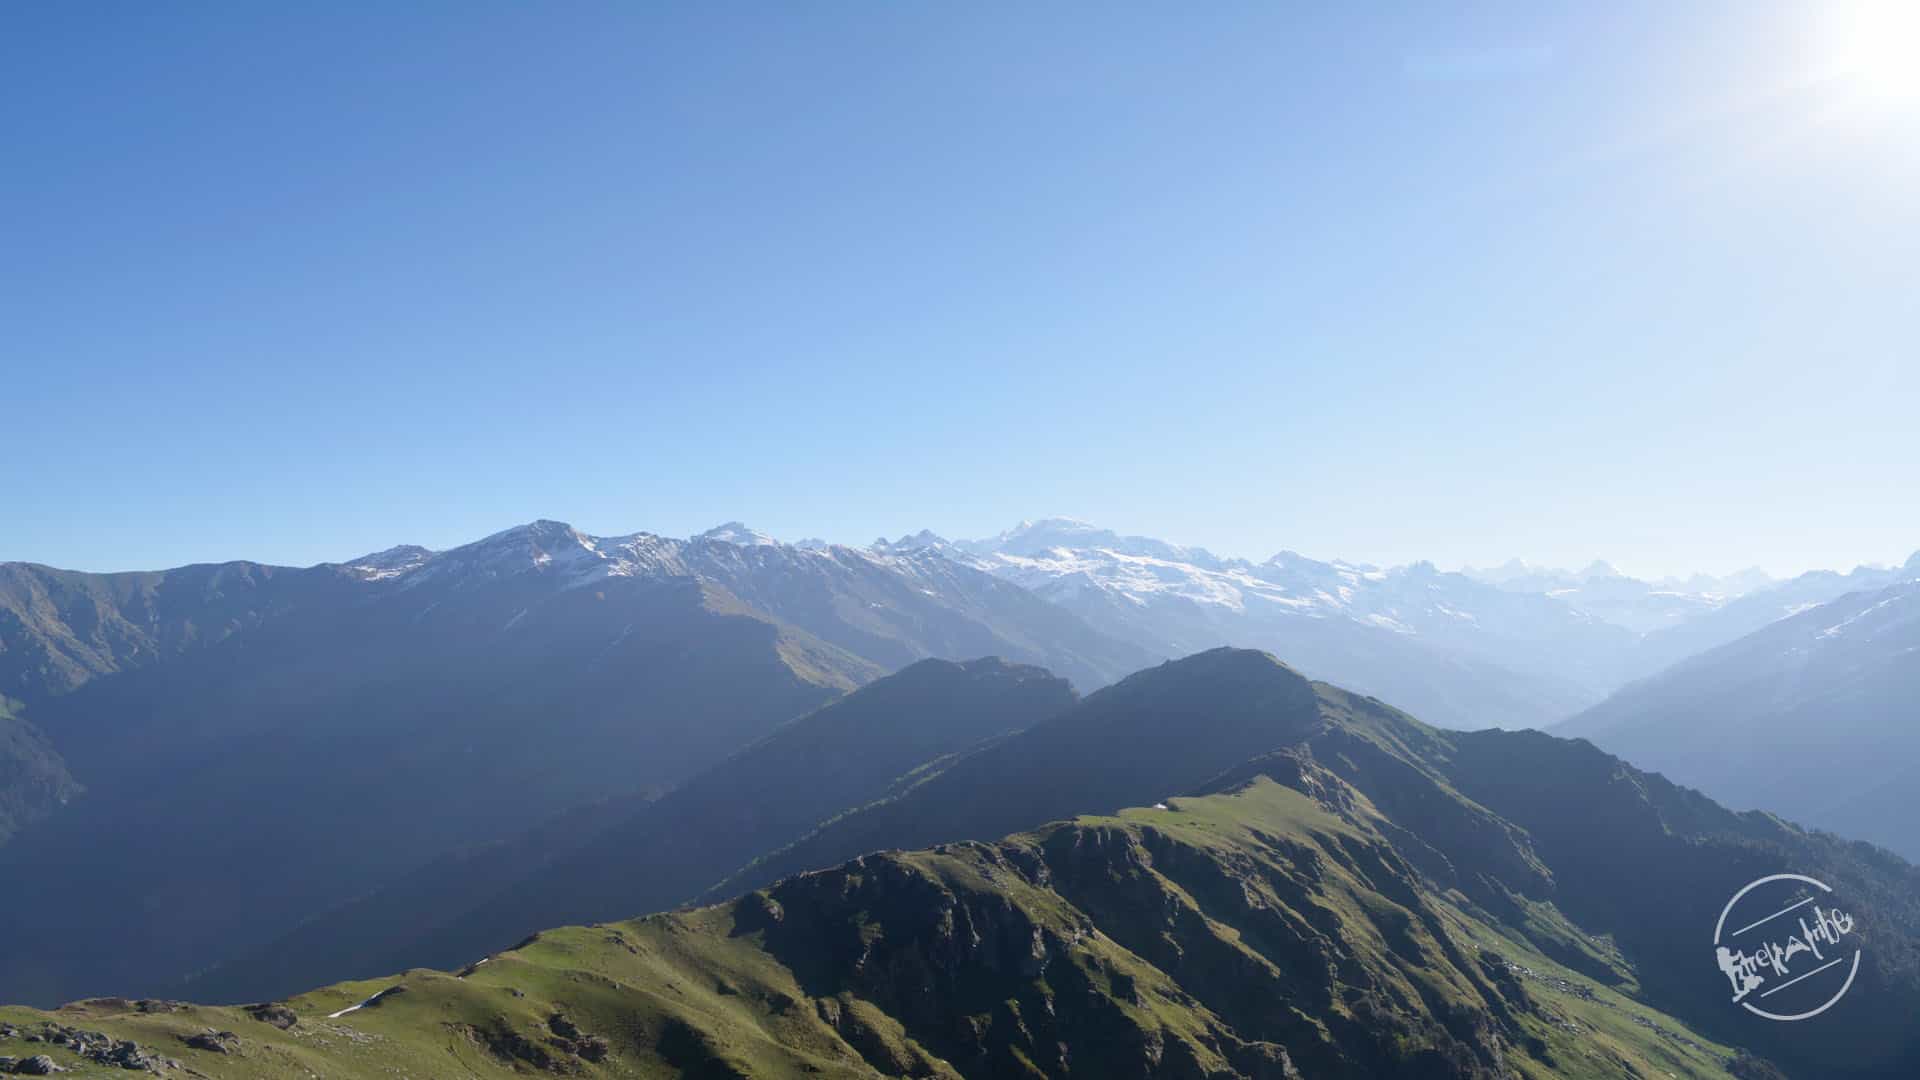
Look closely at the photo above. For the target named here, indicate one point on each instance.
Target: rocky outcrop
(92, 1046)
(274, 1013)
(212, 1041)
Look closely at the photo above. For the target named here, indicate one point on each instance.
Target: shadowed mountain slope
(1811, 717)
(613, 859)
(34, 781)
(375, 715)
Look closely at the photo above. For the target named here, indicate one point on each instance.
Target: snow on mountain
(572, 557)
(1094, 604)
(1515, 645)
(546, 547)
(1455, 650)
(1896, 611)
(1059, 556)
(390, 563)
(888, 606)
(733, 532)
(1036, 538)
(1745, 614)
(1739, 583)
(924, 540)
(1604, 592)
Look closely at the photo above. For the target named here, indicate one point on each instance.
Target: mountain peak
(393, 562)
(924, 540)
(541, 531)
(538, 545)
(1065, 524)
(738, 534)
(1038, 537)
(398, 555)
(1221, 667)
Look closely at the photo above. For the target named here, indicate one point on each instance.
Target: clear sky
(1630, 280)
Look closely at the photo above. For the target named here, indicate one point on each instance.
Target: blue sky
(1633, 281)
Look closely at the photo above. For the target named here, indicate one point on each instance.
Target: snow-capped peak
(1031, 539)
(736, 533)
(536, 545)
(390, 563)
(542, 533)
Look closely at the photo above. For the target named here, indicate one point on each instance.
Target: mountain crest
(1052, 535)
(738, 534)
(924, 540)
(392, 562)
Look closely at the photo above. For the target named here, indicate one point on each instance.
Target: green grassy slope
(1268, 931)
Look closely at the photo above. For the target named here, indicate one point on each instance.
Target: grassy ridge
(1247, 933)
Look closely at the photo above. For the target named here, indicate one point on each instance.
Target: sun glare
(1874, 45)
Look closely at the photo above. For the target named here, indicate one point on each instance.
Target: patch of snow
(738, 534)
(362, 1005)
(1838, 628)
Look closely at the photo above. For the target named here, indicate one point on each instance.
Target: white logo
(1805, 961)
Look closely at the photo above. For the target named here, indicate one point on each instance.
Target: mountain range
(1457, 651)
(1219, 869)
(434, 750)
(243, 747)
(1811, 716)
(1518, 646)
(1640, 606)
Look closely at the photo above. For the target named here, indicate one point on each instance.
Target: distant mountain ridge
(1513, 646)
(1812, 717)
(1761, 607)
(1527, 577)
(577, 671)
(1640, 606)
(563, 668)
(61, 628)
(1459, 652)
